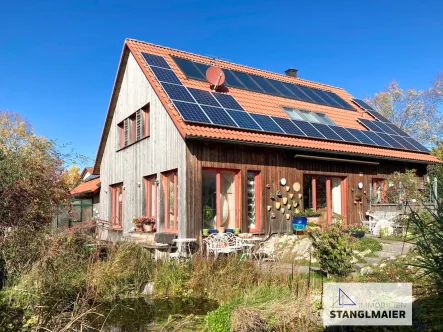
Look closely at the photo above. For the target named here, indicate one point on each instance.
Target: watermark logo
(367, 304)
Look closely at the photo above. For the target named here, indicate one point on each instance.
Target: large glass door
(219, 198)
(324, 194)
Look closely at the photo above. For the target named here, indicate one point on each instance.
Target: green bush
(365, 243)
(333, 249)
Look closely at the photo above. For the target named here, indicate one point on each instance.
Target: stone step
(372, 260)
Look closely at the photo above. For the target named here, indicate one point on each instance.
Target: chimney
(291, 72)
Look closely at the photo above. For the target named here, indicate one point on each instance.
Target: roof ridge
(237, 64)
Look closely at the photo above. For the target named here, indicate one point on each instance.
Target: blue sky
(58, 59)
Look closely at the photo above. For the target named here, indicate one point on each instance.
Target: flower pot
(299, 223)
(357, 234)
(213, 231)
(221, 229)
(229, 230)
(147, 228)
(205, 232)
(237, 231)
(357, 199)
(138, 227)
(315, 220)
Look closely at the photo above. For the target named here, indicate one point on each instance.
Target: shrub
(332, 247)
(126, 271)
(429, 244)
(365, 243)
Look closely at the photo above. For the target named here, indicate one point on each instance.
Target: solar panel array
(387, 130)
(237, 79)
(207, 107)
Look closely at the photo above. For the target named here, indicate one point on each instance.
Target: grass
(366, 243)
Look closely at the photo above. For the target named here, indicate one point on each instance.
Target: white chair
(223, 243)
(370, 223)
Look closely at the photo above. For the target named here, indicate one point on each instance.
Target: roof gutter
(278, 146)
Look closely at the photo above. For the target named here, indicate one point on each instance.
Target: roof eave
(305, 149)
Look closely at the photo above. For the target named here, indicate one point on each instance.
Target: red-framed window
(151, 186)
(117, 206)
(220, 195)
(326, 194)
(253, 200)
(169, 183)
(378, 191)
(135, 127)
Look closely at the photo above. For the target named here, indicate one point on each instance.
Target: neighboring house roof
(85, 171)
(252, 102)
(89, 186)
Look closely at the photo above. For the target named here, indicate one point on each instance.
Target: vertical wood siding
(162, 151)
(274, 164)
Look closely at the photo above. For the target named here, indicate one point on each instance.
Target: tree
(417, 112)
(31, 183)
(72, 177)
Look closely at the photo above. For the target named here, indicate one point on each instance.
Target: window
(219, 198)
(253, 197)
(170, 201)
(117, 206)
(325, 194)
(378, 191)
(302, 115)
(135, 127)
(151, 196)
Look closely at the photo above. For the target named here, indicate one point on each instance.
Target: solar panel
(377, 139)
(283, 88)
(264, 83)
(394, 143)
(189, 69)
(416, 144)
(396, 129)
(243, 120)
(266, 123)
(191, 112)
(297, 92)
(203, 97)
(227, 101)
(218, 116)
(165, 75)
(406, 143)
(232, 80)
(345, 134)
(307, 128)
(378, 116)
(247, 82)
(202, 67)
(362, 104)
(385, 128)
(339, 100)
(371, 125)
(359, 134)
(155, 60)
(323, 95)
(178, 92)
(312, 95)
(327, 132)
(288, 126)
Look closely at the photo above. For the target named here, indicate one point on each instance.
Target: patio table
(184, 245)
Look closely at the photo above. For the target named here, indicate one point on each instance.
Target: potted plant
(237, 231)
(313, 216)
(357, 231)
(205, 231)
(148, 223)
(138, 225)
(299, 220)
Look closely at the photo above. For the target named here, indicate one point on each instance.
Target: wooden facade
(274, 164)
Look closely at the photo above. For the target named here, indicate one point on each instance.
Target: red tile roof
(259, 103)
(86, 187)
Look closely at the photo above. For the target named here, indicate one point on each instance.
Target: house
(85, 199)
(199, 154)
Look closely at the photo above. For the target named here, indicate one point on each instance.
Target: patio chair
(220, 244)
(370, 223)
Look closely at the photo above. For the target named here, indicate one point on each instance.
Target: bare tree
(417, 112)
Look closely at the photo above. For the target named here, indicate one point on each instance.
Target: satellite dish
(215, 76)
